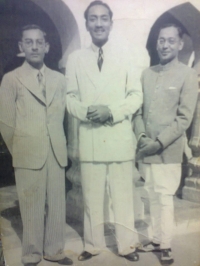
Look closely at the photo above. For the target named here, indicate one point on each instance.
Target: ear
(86, 25)
(20, 47)
(181, 45)
(47, 47)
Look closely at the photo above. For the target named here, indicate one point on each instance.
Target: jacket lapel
(30, 82)
(89, 64)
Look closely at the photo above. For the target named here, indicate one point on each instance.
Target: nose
(34, 46)
(165, 45)
(99, 22)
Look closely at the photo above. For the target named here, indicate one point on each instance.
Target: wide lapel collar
(111, 64)
(51, 85)
(89, 63)
(29, 80)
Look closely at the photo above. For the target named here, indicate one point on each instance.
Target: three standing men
(103, 95)
(32, 107)
(170, 94)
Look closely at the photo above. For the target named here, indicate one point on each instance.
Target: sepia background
(135, 28)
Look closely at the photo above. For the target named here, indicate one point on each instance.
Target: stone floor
(185, 244)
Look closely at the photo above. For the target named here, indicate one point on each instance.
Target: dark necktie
(41, 84)
(100, 59)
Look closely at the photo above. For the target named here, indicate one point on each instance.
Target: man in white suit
(32, 107)
(103, 95)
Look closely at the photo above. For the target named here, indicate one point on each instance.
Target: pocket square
(172, 88)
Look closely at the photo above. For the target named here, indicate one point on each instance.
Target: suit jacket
(170, 95)
(115, 87)
(28, 121)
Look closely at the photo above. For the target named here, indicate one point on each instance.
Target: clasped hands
(99, 114)
(147, 146)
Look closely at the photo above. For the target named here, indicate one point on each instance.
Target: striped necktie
(100, 59)
(41, 83)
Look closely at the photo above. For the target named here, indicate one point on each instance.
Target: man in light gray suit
(170, 95)
(103, 94)
(32, 107)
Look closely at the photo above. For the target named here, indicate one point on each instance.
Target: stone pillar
(191, 190)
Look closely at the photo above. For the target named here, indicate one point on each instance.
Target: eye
(105, 18)
(172, 41)
(40, 42)
(92, 19)
(161, 41)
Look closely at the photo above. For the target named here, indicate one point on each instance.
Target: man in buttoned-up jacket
(103, 95)
(32, 107)
(170, 95)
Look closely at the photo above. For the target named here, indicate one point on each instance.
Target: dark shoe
(85, 256)
(31, 264)
(65, 261)
(166, 257)
(132, 256)
(149, 247)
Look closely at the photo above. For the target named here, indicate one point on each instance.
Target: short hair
(167, 25)
(98, 3)
(32, 27)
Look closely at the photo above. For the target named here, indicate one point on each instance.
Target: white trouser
(120, 178)
(37, 188)
(161, 183)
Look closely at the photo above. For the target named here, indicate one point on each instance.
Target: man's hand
(149, 149)
(144, 141)
(98, 113)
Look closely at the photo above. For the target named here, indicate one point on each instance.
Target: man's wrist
(160, 143)
(142, 135)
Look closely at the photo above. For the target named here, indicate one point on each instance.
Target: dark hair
(98, 3)
(32, 27)
(179, 28)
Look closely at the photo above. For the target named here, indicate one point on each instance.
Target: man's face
(168, 44)
(34, 46)
(99, 24)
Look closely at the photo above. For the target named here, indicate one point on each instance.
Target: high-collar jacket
(170, 96)
(29, 123)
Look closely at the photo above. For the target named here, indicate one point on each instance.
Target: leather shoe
(132, 256)
(65, 261)
(31, 264)
(85, 256)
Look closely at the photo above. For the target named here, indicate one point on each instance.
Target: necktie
(100, 59)
(42, 84)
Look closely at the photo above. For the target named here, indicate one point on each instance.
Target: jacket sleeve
(7, 110)
(138, 123)
(133, 97)
(187, 103)
(74, 106)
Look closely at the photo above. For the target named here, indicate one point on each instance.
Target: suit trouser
(120, 179)
(161, 183)
(41, 191)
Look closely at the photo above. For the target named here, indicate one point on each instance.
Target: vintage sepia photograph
(99, 132)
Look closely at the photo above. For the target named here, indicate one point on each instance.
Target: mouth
(99, 31)
(165, 53)
(34, 55)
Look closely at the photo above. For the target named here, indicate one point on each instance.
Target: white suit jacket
(115, 87)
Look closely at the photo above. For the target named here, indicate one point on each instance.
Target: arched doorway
(63, 35)
(188, 17)
(56, 19)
